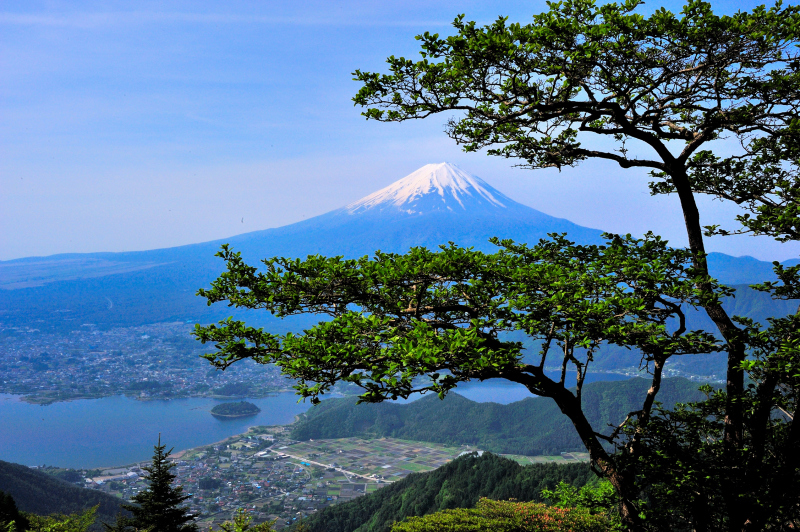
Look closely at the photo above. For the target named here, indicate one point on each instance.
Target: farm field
(384, 459)
(563, 458)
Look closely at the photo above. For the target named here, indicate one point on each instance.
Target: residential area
(276, 478)
(158, 361)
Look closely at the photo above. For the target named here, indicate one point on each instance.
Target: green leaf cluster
(506, 516)
(439, 315)
(242, 522)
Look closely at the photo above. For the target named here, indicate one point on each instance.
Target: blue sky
(136, 125)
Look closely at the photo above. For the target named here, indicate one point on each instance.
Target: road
(327, 466)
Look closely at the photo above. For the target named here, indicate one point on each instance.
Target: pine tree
(10, 514)
(158, 508)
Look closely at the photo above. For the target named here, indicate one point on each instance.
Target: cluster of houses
(243, 472)
(151, 361)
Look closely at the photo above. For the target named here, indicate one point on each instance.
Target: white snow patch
(446, 179)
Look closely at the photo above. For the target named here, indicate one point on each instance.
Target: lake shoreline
(122, 430)
(46, 401)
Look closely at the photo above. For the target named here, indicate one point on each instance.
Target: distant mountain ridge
(432, 206)
(532, 426)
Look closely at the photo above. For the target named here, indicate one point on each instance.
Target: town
(159, 361)
(278, 479)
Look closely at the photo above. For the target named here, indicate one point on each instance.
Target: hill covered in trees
(459, 484)
(531, 426)
(240, 409)
(42, 494)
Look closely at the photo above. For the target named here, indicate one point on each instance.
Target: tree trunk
(571, 407)
(734, 383)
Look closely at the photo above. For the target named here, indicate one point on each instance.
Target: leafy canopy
(581, 82)
(507, 516)
(441, 315)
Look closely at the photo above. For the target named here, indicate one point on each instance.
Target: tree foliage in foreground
(79, 522)
(507, 516)
(581, 82)
(15, 521)
(243, 522)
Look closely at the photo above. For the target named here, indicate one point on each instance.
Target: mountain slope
(39, 493)
(434, 188)
(532, 426)
(432, 206)
(437, 204)
(459, 484)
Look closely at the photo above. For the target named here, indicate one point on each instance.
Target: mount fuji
(433, 188)
(434, 205)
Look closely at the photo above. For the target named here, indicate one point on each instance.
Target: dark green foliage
(9, 513)
(233, 389)
(209, 483)
(242, 408)
(158, 508)
(69, 475)
(683, 475)
(42, 494)
(459, 484)
(531, 426)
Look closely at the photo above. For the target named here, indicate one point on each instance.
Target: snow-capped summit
(439, 187)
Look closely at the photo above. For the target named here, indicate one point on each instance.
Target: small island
(240, 409)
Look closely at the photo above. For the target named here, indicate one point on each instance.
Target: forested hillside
(458, 484)
(532, 426)
(39, 493)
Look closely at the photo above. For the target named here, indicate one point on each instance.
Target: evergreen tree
(10, 514)
(158, 508)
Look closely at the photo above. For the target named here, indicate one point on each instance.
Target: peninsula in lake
(240, 409)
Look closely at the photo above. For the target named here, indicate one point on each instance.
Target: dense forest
(532, 426)
(459, 484)
(242, 408)
(42, 494)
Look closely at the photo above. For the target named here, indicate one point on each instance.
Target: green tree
(10, 514)
(158, 508)
(580, 82)
(426, 321)
(596, 497)
(506, 516)
(242, 522)
(77, 522)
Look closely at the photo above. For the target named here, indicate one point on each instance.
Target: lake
(120, 430)
(91, 433)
